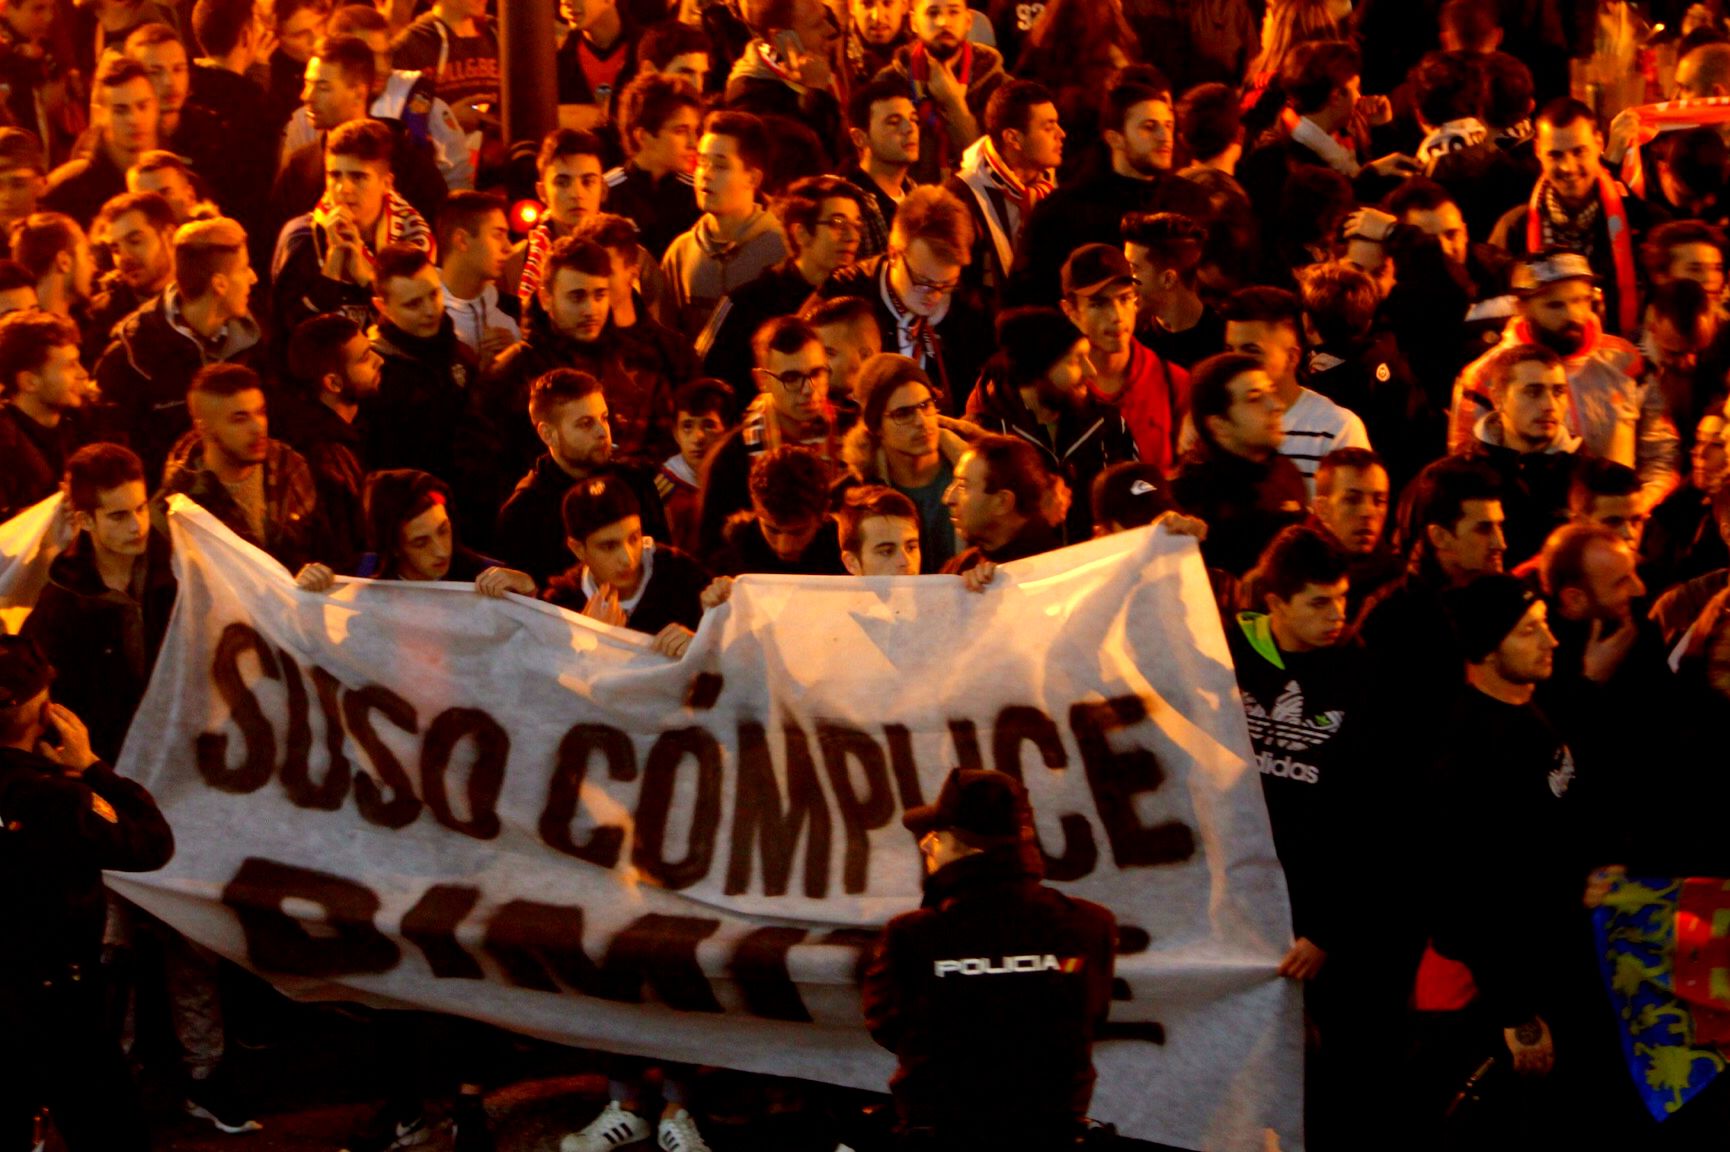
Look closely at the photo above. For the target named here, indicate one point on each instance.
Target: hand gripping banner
(416, 796)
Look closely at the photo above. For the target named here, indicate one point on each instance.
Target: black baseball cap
(1095, 266)
(24, 671)
(979, 806)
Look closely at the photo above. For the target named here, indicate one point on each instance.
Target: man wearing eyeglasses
(792, 374)
(915, 290)
(824, 220)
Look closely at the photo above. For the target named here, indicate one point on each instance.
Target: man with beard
(44, 385)
(569, 411)
(185, 129)
(1527, 442)
(951, 79)
(1005, 173)
(1036, 388)
(260, 488)
(1456, 521)
(823, 218)
(571, 324)
(1351, 506)
(139, 227)
(334, 364)
(1577, 206)
(1140, 129)
(1615, 411)
(427, 371)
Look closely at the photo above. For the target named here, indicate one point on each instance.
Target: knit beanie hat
(1032, 340)
(1486, 610)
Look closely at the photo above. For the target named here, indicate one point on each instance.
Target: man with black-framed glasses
(792, 375)
(923, 311)
(824, 221)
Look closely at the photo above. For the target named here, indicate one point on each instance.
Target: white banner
(28, 544)
(415, 795)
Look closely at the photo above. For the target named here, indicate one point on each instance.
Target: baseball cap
(1543, 269)
(1486, 610)
(24, 671)
(1095, 266)
(980, 806)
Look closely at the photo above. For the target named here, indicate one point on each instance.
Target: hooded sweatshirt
(703, 266)
(1534, 484)
(1613, 408)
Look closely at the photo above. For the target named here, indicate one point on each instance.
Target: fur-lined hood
(866, 461)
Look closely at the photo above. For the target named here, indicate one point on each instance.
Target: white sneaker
(613, 1128)
(679, 1134)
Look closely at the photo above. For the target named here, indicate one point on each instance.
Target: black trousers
(59, 1052)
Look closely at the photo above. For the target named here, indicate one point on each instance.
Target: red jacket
(1153, 403)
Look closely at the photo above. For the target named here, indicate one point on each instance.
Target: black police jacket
(990, 996)
(57, 834)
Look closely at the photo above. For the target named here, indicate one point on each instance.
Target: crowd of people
(897, 287)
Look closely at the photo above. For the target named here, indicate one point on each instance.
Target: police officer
(991, 993)
(64, 817)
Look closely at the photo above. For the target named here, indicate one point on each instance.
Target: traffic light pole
(527, 51)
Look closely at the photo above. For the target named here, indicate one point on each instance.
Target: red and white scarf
(1541, 233)
(983, 168)
(399, 223)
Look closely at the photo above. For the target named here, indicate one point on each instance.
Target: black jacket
(1306, 724)
(103, 643)
(675, 584)
(293, 532)
(35, 459)
(57, 835)
(1034, 537)
(147, 369)
(241, 183)
(81, 187)
(745, 550)
(661, 209)
(1534, 492)
(335, 451)
(989, 1057)
(1245, 503)
(965, 337)
(1089, 438)
(1090, 210)
(530, 535)
(779, 291)
(412, 420)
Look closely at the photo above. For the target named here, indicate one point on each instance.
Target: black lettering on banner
(486, 775)
(1131, 940)
(655, 802)
(705, 690)
(661, 951)
(529, 938)
(759, 966)
(860, 814)
(965, 734)
(1020, 724)
(535, 942)
(211, 748)
(404, 806)
(902, 765)
(431, 926)
(761, 824)
(296, 761)
(277, 942)
(1118, 777)
(565, 790)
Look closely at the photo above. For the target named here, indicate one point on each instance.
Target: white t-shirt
(1315, 426)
